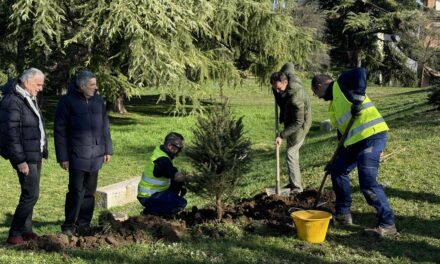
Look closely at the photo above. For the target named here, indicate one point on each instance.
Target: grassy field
(412, 178)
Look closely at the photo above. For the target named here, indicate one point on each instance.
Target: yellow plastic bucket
(311, 225)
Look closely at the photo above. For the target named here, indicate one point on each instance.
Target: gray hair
(83, 77)
(174, 138)
(30, 73)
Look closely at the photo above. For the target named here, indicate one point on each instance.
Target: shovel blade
(283, 191)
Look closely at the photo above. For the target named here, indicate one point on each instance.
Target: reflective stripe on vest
(149, 184)
(155, 181)
(368, 123)
(347, 115)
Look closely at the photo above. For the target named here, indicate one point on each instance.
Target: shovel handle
(340, 145)
(277, 132)
(277, 186)
(321, 187)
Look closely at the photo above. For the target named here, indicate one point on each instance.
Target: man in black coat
(24, 144)
(82, 144)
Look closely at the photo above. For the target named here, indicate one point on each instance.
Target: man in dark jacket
(296, 114)
(25, 145)
(82, 144)
(363, 145)
(162, 186)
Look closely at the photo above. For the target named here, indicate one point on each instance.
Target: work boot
(15, 240)
(344, 219)
(68, 230)
(29, 236)
(382, 231)
(84, 230)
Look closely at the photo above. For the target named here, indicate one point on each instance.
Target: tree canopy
(134, 44)
(355, 27)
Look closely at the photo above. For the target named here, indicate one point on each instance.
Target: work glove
(328, 168)
(356, 108)
(183, 191)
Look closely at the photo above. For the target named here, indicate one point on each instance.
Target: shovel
(340, 145)
(277, 190)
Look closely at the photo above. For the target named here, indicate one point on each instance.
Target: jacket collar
(328, 96)
(23, 92)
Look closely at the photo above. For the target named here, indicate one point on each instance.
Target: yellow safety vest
(368, 123)
(149, 183)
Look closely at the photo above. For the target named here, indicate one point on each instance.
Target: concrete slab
(117, 194)
(326, 125)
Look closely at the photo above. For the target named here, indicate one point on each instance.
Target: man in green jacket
(295, 114)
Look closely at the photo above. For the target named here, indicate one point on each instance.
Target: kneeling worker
(162, 186)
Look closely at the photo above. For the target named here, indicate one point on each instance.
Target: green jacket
(295, 108)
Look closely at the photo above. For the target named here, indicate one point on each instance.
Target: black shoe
(84, 230)
(344, 219)
(290, 186)
(68, 230)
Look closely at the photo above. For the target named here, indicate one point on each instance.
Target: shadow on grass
(407, 195)
(397, 247)
(8, 220)
(219, 251)
(410, 224)
(416, 196)
(121, 121)
(149, 105)
(36, 224)
(422, 90)
(391, 114)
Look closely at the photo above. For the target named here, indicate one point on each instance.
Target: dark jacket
(353, 83)
(163, 167)
(19, 128)
(81, 131)
(295, 108)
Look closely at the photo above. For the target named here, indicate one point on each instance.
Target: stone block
(326, 125)
(117, 194)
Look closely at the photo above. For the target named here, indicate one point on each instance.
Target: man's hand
(107, 158)
(64, 165)
(183, 190)
(328, 168)
(23, 168)
(179, 177)
(356, 109)
(278, 141)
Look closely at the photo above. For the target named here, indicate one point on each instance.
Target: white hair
(30, 73)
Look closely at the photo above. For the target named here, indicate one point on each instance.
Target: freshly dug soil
(272, 212)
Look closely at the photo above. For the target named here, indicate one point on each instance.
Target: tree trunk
(357, 58)
(219, 207)
(422, 77)
(118, 105)
(21, 53)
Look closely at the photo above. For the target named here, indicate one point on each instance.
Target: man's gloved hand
(183, 190)
(328, 168)
(356, 108)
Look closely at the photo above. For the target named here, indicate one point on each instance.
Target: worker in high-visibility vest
(363, 146)
(162, 186)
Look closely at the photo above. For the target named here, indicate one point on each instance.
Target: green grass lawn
(412, 177)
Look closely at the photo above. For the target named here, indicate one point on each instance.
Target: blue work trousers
(163, 203)
(366, 156)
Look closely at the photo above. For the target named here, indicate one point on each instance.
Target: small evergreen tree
(220, 154)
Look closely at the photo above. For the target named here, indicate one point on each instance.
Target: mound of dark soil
(272, 211)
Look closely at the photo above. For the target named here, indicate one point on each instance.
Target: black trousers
(30, 191)
(80, 199)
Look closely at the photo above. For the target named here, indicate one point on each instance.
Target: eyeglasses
(178, 147)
